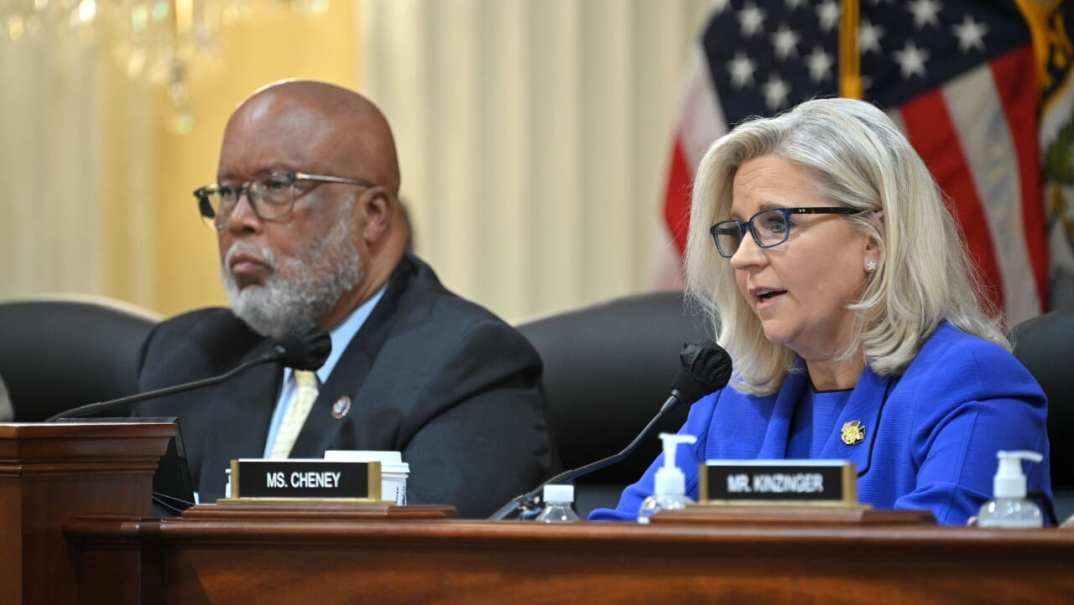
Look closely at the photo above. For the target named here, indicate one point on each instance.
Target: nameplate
(256, 479)
(738, 482)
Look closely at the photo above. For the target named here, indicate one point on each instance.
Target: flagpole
(849, 59)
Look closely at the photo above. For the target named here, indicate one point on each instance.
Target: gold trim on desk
(313, 501)
(791, 503)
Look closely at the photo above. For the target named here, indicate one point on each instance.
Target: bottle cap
(560, 494)
(669, 479)
(1009, 481)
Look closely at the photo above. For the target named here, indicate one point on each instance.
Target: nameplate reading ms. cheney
(832, 482)
(305, 479)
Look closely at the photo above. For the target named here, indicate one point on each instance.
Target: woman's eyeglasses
(768, 227)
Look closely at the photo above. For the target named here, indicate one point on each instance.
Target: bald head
(318, 126)
(339, 238)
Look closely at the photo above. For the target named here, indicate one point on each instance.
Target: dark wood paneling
(306, 560)
(50, 473)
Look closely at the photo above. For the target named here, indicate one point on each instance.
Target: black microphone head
(705, 368)
(307, 352)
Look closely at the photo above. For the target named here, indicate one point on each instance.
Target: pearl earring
(870, 266)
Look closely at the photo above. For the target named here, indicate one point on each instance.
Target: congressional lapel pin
(341, 407)
(853, 432)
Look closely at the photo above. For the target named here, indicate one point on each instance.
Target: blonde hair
(861, 160)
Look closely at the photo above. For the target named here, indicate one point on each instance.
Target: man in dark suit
(311, 236)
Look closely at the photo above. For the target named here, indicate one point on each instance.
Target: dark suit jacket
(438, 378)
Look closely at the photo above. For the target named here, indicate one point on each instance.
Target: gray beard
(300, 291)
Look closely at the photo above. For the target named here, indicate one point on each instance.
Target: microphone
(307, 352)
(705, 368)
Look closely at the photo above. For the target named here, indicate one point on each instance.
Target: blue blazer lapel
(790, 393)
(865, 406)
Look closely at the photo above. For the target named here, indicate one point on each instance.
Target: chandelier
(154, 40)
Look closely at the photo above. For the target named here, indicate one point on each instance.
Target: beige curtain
(534, 138)
(96, 179)
(75, 154)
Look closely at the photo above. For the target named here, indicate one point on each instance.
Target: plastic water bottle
(557, 504)
(669, 484)
(1010, 507)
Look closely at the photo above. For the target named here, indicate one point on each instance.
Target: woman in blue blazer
(823, 254)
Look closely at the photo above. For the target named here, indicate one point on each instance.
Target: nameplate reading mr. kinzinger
(778, 482)
(305, 479)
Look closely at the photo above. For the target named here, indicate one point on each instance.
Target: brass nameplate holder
(779, 482)
(301, 480)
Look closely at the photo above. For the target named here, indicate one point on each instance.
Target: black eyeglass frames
(768, 228)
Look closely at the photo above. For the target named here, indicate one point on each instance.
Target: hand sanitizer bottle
(1010, 507)
(557, 504)
(669, 484)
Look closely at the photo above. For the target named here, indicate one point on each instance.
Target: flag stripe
(929, 128)
(977, 115)
(701, 123)
(1015, 83)
(702, 120)
(677, 196)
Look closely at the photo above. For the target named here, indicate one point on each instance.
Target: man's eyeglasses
(769, 227)
(272, 197)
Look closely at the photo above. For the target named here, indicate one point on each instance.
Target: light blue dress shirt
(341, 337)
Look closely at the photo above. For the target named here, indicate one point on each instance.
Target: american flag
(961, 78)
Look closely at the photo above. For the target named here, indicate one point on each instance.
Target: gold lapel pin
(853, 432)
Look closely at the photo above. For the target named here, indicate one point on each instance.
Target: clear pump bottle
(1010, 507)
(557, 504)
(669, 491)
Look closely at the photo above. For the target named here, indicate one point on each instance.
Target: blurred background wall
(534, 136)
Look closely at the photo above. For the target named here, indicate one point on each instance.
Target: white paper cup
(393, 471)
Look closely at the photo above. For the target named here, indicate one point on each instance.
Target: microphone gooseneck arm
(706, 367)
(92, 408)
(307, 352)
(529, 502)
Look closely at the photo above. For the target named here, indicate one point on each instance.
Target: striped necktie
(302, 398)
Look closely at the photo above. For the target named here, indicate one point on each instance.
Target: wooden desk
(52, 472)
(314, 559)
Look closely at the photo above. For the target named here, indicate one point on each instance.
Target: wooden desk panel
(52, 472)
(324, 562)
